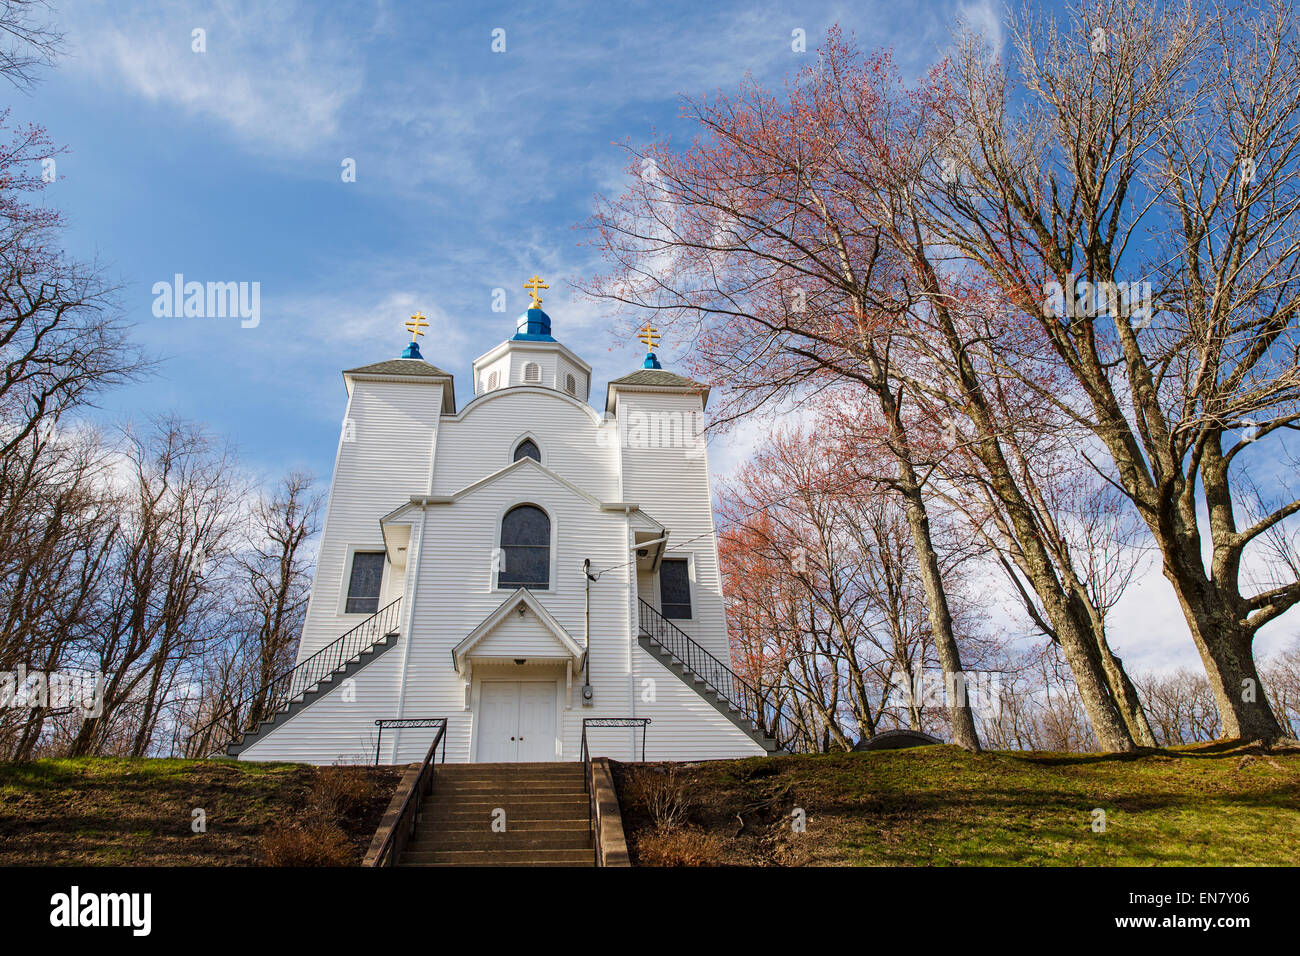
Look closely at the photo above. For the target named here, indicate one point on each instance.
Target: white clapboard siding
(383, 458)
(672, 484)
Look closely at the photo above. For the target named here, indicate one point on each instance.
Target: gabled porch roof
(565, 648)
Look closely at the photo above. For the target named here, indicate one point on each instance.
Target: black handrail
(244, 715)
(399, 723)
(395, 839)
(722, 680)
(587, 782)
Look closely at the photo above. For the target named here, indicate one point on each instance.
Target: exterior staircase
(293, 690)
(545, 817)
(731, 695)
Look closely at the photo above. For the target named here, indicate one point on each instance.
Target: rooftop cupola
(534, 324)
(532, 356)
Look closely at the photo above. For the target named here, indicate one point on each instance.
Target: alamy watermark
(979, 690)
(657, 430)
(55, 690)
(1082, 299)
(211, 300)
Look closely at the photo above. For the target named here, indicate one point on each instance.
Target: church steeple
(532, 357)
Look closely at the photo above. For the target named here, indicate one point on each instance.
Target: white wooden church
(514, 564)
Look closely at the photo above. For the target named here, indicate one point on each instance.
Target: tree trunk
(1126, 696)
(1226, 650)
(945, 644)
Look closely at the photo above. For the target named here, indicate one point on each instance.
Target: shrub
(680, 847)
(663, 797)
(311, 843)
(340, 792)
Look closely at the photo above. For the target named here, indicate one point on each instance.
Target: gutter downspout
(588, 577)
(413, 569)
(413, 566)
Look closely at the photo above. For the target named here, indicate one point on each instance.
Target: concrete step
(477, 825)
(510, 840)
(462, 818)
(554, 766)
(589, 853)
(532, 857)
(470, 788)
(526, 800)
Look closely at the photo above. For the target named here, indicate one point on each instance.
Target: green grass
(121, 811)
(1198, 806)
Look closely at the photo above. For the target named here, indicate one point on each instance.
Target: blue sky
(472, 169)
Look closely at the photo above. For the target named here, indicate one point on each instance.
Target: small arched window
(528, 449)
(525, 549)
(494, 379)
(571, 385)
(532, 372)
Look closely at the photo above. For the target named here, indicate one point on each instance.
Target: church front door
(516, 721)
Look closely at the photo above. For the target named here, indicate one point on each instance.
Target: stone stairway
(545, 806)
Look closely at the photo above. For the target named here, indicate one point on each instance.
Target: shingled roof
(654, 378)
(401, 366)
(413, 368)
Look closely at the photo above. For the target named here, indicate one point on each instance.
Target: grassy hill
(1217, 804)
(1214, 804)
(115, 811)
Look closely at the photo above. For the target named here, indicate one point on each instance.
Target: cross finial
(415, 324)
(650, 336)
(532, 285)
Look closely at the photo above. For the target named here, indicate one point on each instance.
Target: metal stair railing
(587, 782)
(721, 679)
(390, 848)
(236, 720)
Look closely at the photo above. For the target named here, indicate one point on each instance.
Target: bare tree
(1155, 141)
(753, 243)
(171, 550)
(27, 40)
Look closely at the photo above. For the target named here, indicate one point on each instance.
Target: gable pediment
(520, 628)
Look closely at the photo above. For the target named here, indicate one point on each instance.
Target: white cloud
(984, 17)
(276, 75)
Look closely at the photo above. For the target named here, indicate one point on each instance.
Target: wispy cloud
(277, 75)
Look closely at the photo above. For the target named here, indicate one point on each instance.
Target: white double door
(517, 721)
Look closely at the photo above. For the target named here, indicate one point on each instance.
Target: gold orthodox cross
(415, 324)
(650, 336)
(532, 285)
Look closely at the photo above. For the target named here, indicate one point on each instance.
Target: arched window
(525, 549)
(528, 449)
(571, 385)
(532, 372)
